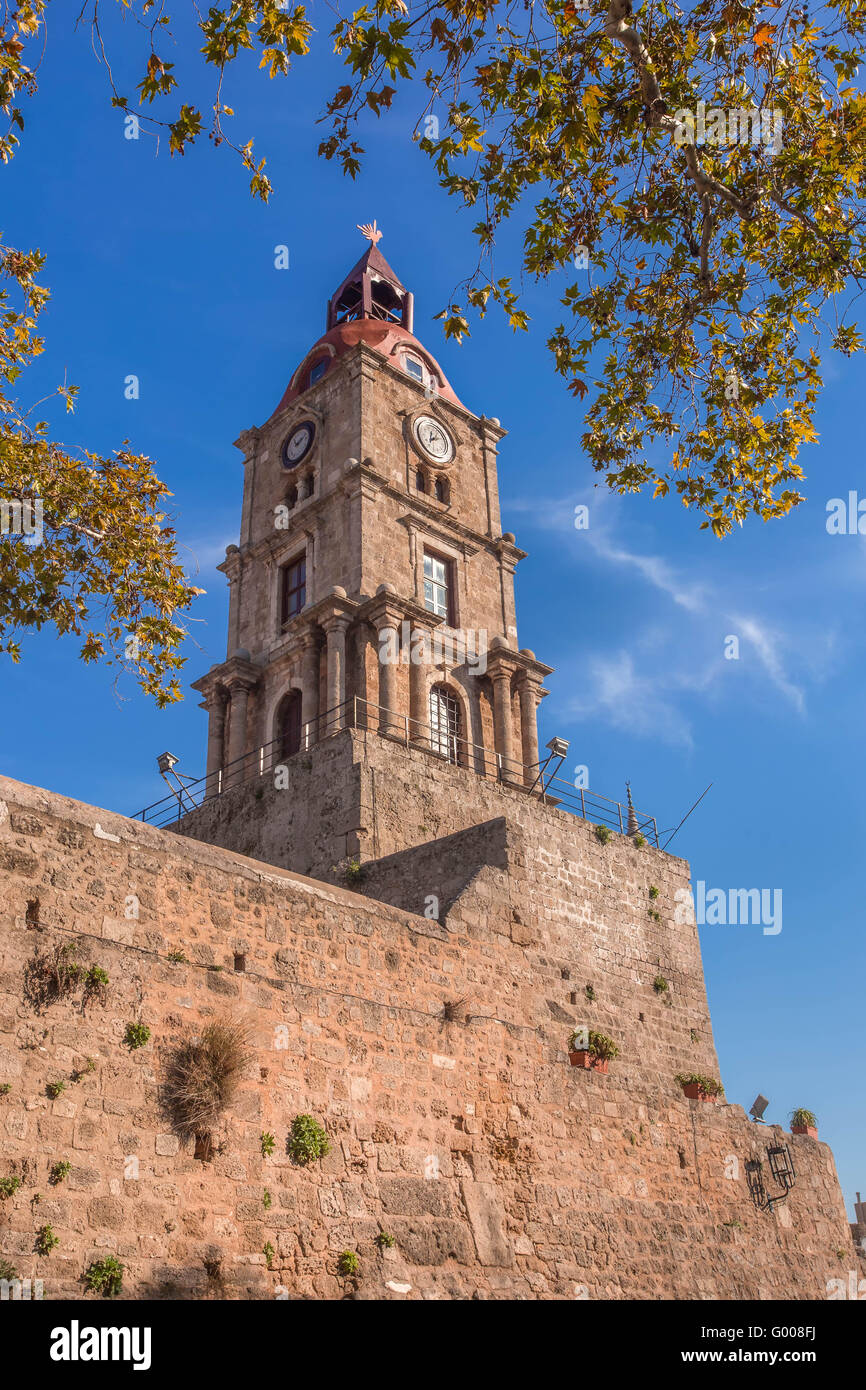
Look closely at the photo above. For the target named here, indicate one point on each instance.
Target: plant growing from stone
(269, 1252)
(589, 991)
(8, 1187)
(385, 1241)
(654, 914)
(804, 1118)
(639, 841)
(203, 1074)
(603, 834)
(348, 1264)
(5, 1088)
(598, 1045)
(8, 1270)
(269, 1143)
(95, 986)
(307, 1140)
(46, 1241)
(104, 1277)
(653, 891)
(52, 975)
(55, 1088)
(267, 1200)
(708, 1084)
(136, 1035)
(660, 985)
(354, 871)
(59, 1172)
(177, 957)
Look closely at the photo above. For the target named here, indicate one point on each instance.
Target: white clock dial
(434, 440)
(298, 443)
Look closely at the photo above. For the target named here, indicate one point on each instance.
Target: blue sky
(165, 268)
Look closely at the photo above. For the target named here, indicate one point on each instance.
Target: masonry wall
(434, 1054)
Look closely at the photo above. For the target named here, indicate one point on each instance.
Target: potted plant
(698, 1087)
(804, 1122)
(591, 1050)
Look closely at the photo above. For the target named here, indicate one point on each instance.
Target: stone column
(530, 695)
(240, 690)
(502, 726)
(310, 731)
(419, 714)
(215, 704)
(389, 722)
(335, 629)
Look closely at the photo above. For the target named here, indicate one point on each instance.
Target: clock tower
(372, 587)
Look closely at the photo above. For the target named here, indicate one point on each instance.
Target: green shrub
(59, 1171)
(267, 1200)
(654, 914)
(95, 985)
(5, 1088)
(269, 1252)
(600, 1045)
(660, 985)
(603, 834)
(104, 1277)
(177, 957)
(269, 1143)
(653, 891)
(8, 1270)
(8, 1187)
(384, 1241)
(589, 992)
(136, 1035)
(55, 1088)
(706, 1083)
(639, 841)
(348, 1264)
(804, 1117)
(307, 1140)
(46, 1241)
(354, 871)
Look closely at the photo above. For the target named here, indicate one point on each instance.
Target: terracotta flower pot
(805, 1129)
(584, 1058)
(693, 1091)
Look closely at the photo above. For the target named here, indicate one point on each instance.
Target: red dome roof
(391, 339)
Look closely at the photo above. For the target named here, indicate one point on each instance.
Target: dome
(371, 306)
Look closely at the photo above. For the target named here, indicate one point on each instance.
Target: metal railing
(357, 713)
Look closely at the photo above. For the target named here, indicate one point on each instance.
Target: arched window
(289, 725)
(441, 490)
(445, 723)
(420, 481)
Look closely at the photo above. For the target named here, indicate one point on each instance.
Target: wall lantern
(782, 1169)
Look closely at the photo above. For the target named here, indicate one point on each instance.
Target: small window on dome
(414, 368)
(317, 371)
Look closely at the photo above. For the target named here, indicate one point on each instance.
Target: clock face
(434, 440)
(298, 444)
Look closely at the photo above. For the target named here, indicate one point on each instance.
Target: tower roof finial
(370, 231)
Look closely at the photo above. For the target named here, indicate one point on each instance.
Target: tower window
(317, 371)
(441, 490)
(294, 590)
(445, 723)
(414, 368)
(420, 481)
(439, 586)
(289, 725)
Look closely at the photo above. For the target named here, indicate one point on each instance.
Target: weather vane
(370, 231)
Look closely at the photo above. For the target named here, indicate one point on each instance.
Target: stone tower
(373, 587)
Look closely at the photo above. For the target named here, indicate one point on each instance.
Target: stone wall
(434, 1054)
